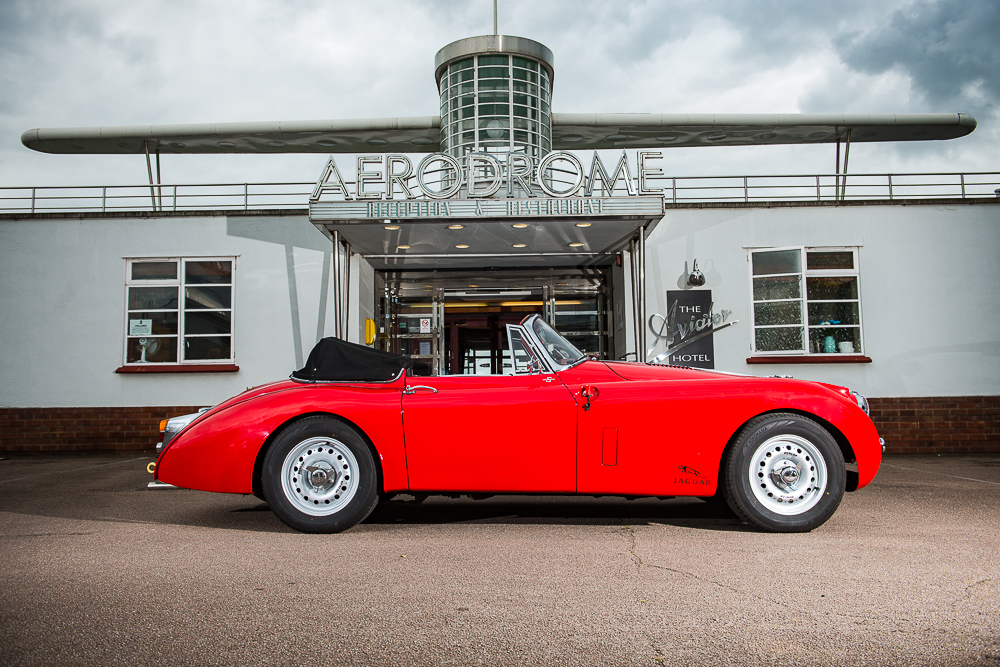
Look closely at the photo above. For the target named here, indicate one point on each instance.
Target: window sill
(180, 368)
(813, 359)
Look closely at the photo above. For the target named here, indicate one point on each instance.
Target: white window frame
(804, 300)
(180, 283)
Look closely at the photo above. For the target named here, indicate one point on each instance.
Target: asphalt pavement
(95, 569)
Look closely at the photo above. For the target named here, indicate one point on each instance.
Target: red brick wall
(83, 429)
(938, 425)
(930, 425)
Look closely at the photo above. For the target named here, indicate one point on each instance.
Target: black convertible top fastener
(334, 359)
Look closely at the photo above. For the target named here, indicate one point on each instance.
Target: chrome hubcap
(319, 476)
(788, 475)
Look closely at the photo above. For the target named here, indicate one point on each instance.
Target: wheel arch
(842, 442)
(258, 463)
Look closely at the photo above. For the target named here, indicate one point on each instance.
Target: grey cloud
(944, 46)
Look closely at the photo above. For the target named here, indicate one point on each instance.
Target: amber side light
(163, 425)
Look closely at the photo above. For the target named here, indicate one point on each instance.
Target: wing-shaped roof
(420, 134)
(610, 130)
(416, 134)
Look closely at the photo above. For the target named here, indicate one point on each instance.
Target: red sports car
(356, 424)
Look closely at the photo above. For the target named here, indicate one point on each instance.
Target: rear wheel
(785, 473)
(319, 476)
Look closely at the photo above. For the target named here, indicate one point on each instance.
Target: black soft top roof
(334, 359)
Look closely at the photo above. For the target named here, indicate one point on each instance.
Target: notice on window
(425, 347)
(425, 325)
(140, 327)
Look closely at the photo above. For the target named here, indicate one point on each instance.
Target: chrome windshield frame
(527, 324)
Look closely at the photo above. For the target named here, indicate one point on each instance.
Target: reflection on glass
(779, 312)
(834, 313)
(835, 340)
(778, 339)
(158, 350)
(210, 322)
(152, 298)
(777, 261)
(207, 297)
(208, 272)
(784, 287)
(154, 270)
(208, 347)
(822, 259)
(832, 288)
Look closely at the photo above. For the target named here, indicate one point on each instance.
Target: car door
(490, 433)
(630, 437)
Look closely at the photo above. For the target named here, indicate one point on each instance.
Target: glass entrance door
(456, 322)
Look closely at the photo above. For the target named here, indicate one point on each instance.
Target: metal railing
(676, 190)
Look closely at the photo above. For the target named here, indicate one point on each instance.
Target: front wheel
(785, 473)
(319, 476)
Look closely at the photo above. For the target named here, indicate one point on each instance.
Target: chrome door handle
(413, 389)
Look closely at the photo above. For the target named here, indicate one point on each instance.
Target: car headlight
(171, 427)
(861, 401)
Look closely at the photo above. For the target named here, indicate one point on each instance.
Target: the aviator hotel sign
(488, 185)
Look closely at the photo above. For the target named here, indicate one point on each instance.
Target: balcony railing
(676, 190)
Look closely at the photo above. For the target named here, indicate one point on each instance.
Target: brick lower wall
(938, 425)
(927, 425)
(83, 429)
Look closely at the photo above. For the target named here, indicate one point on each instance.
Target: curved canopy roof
(420, 134)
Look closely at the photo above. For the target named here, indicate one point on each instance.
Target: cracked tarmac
(98, 570)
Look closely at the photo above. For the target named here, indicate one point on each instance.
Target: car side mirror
(534, 366)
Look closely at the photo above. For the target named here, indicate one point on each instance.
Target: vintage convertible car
(356, 424)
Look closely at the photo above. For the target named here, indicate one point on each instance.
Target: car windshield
(560, 349)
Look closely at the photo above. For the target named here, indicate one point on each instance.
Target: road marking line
(103, 465)
(929, 472)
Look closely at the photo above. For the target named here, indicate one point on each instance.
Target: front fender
(217, 452)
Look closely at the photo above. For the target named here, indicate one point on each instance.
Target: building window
(179, 310)
(806, 301)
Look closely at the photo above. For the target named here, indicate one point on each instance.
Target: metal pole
(347, 287)
(33, 199)
(836, 181)
(149, 168)
(495, 31)
(962, 176)
(642, 293)
(633, 276)
(336, 284)
(847, 154)
(246, 202)
(104, 199)
(159, 189)
(890, 187)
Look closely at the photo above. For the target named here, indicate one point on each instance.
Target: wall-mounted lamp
(696, 278)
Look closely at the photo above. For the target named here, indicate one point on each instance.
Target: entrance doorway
(456, 320)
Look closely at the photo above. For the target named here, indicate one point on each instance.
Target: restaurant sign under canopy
(483, 185)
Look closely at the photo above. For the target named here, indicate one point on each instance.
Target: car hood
(631, 370)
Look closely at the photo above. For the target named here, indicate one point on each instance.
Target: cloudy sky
(67, 63)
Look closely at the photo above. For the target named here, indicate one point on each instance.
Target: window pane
(164, 324)
(154, 270)
(152, 298)
(208, 272)
(778, 340)
(207, 297)
(829, 260)
(835, 340)
(158, 350)
(822, 289)
(834, 313)
(779, 312)
(492, 60)
(785, 287)
(209, 347)
(777, 261)
(211, 322)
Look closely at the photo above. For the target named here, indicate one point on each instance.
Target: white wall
(62, 305)
(930, 288)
